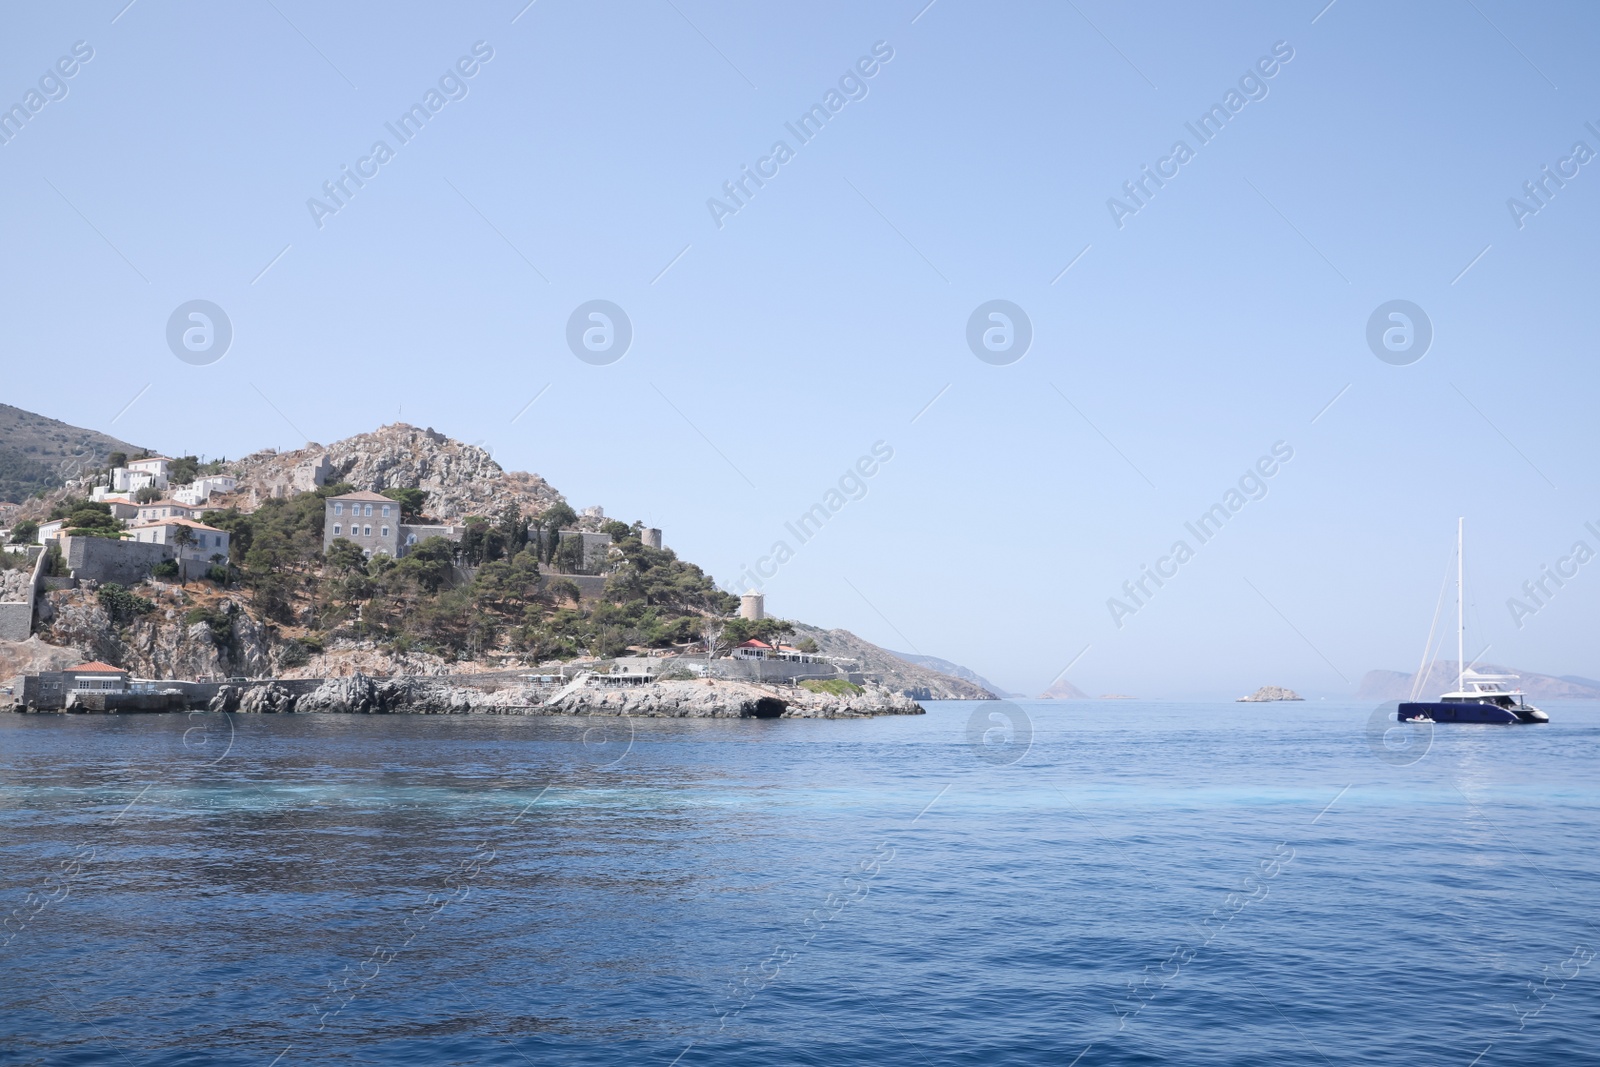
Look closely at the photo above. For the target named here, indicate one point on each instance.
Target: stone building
(50, 690)
(371, 521)
(201, 545)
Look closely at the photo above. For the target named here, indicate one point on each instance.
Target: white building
(49, 531)
(205, 541)
(127, 480)
(160, 466)
(166, 509)
(200, 490)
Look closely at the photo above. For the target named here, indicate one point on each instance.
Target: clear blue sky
(825, 315)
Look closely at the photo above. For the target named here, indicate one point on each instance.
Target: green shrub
(121, 605)
(833, 686)
(293, 654)
(221, 623)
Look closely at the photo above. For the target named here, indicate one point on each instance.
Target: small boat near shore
(1477, 698)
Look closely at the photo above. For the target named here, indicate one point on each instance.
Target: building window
(336, 529)
(386, 511)
(368, 533)
(385, 530)
(368, 510)
(338, 509)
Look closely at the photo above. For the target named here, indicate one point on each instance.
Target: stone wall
(105, 560)
(756, 670)
(16, 619)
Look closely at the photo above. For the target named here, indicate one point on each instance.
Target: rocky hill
(460, 479)
(43, 453)
(288, 612)
(1440, 677)
(913, 680)
(954, 670)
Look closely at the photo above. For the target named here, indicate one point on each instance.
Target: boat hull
(1464, 713)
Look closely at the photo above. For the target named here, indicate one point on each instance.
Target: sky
(1176, 336)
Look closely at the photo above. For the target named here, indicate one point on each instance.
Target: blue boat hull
(1462, 712)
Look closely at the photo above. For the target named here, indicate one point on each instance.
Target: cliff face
(160, 644)
(460, 479)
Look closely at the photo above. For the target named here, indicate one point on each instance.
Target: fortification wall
(105, 560)
(16, 620)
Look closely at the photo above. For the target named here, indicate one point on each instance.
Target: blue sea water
(1105, 883)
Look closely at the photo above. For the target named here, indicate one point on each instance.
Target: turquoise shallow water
(1134, 883)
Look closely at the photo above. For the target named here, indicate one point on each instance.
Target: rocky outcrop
(361, 695)
(730, 700)
(344, 657)
(267, 699)
(74, 618)
(1268, 693)
(33, 655)
(161, 644)
(460, 479)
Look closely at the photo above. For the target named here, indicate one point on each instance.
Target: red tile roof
(177, 522)
(95, 667)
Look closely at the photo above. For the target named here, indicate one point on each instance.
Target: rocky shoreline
(361, 695)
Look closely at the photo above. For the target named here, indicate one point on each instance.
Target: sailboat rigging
(1478, 698)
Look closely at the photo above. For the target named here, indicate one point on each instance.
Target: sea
(1094, 883)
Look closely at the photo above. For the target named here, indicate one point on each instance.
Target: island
(394, 571)
(1269, 693)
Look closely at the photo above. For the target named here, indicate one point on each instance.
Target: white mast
(1461, 623)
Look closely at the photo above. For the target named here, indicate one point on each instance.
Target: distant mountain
(1440, 677)
(1065, 690)
(43, 453)
(955, 670)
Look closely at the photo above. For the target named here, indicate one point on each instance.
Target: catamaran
(1479, 698)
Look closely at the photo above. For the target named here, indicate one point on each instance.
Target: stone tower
(753, 606)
